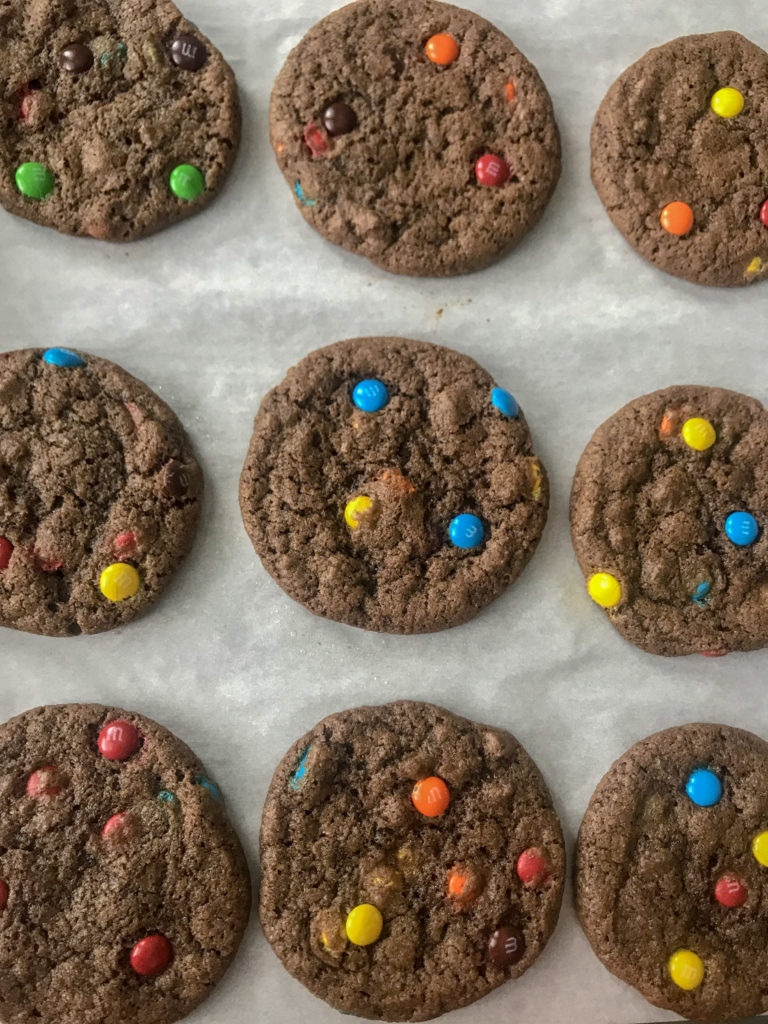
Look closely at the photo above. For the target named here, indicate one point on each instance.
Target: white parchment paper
(211, 314)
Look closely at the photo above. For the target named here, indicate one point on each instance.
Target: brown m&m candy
(339, 119)
(188, 53)
(76, 58)
(506, 947)
(175, 479)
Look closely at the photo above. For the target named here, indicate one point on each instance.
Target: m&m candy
(505, 402)
(356, 510)
(677, 218)
(741, 529)
(700, 596)
(298, 776)
(760, 849)
(466, 531)
(506, 947)
(492, 171)
(730, 891)
(210, 787)
(364, 924)
(442, 49)
(431, 797)
(168, 798)
(34, 181)
(4, 893)
(764, 213)
(339, 119)
(604, 589)
(46, 781)
(115, 827)
(533, 867)
(704, 788)
(119, 740)
(62, 357)
(151, 955)
(464, 884)
(119, 581)
(187, 182)
(6, 550)
(699, 434)
(686, 969)
(727, 102)
(370, 395)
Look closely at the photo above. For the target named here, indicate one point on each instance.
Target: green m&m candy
(34, 181)
(187, 182)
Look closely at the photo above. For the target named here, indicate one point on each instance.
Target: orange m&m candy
(430, 797)
(442, 49)
(677, 218)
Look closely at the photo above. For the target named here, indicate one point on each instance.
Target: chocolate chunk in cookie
(119, 118)
(396, 852)
(99, 493)
(668, 516)
(672, 871)
(679, 158)
(124, 891)
(390, 484)
(416, 134)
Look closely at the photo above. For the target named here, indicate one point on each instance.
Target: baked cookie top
(680, 162)
(668, 513)
(411, 861)
(99, 493)
(414, 133)
(119, 116)
(390, 484)
(124, 892)
(672, 869)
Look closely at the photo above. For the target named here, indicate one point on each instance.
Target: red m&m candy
(6, 550)
(4, 892)
(533, 866)
(151, 955)
(125, 543)
(118, 740)
(730, 891)
(315, 140)
(764, 213)
(492, 171)
(46, 781)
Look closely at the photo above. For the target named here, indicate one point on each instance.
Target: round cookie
(416, 134)
(411, 861)
(119, 117)
(668, 511)
(679, 160)
(124, 891)
(391, 485)
(99, 493)
(672, 870)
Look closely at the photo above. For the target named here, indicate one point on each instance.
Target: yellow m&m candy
(364, 924)
(119, 581)
(356, 509)
(727, 102)
(760, 849)
(604, 589)
(699, 434)
(686, 969)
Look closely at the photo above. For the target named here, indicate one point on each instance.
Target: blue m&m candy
(466, 531)
(62, 357)
(505, 403)
(704, 788)
(741, 528)
(211, 787)
(370, 395)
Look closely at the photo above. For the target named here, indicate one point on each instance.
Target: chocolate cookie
(391, 485)
(119, 116)
(124, 892)
(679, 158)
(411, 861)
(99, 493)
(672, 871)
(414, 133)
(668, 514)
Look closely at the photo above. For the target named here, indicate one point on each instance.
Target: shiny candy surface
(6, 550)
(704, 788)
(604, 589)
(492, 171)
(370, 395)
(187, 182)
(442, 49)
(534, 867)
(356, 509)
(4, 893)
(119, 581)
(431, 797)
(76, 58)
(505, 402)
(677, 218)
(119, 740)
(760, 849)
(686, 969)
(506, 947)
(34, 180)
(364, 924)
(151, 955)
(466, 531)
(741, 529)
(730, 891)
(339, 119)
(764, 213)
(699, 434)
(63, 357)
(727, 102)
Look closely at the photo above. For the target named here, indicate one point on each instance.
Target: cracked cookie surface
(110, 833)
(438, 450)
(108, 97)
(399, 186)
(656, 140)
(651, 507)
(340, 829)
(96, 474)
(660, 869)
